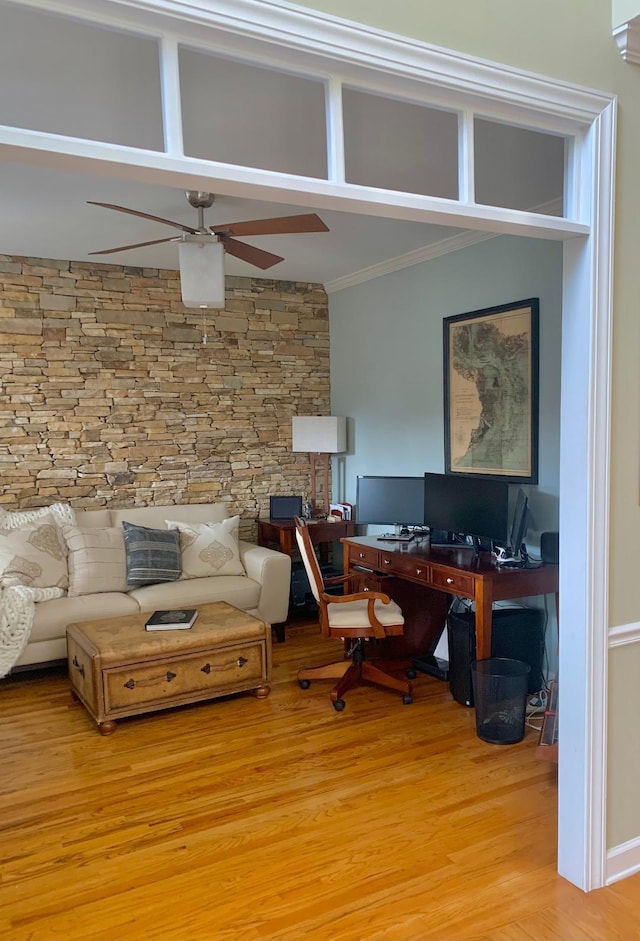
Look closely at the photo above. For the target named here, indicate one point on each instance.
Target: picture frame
(491, 389)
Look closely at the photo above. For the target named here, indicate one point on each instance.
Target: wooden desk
(282, 533)
(450, 570)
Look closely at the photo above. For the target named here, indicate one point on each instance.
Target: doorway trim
(309, 41)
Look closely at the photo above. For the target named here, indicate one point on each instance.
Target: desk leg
(286, 541)
(484, 605)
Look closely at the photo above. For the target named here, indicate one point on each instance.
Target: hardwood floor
(282, 820)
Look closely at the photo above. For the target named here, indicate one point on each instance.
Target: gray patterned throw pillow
(153, 555)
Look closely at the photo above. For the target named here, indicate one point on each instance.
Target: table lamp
(320, 436)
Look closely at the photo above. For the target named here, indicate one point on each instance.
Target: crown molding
(416, 257)
(453, 243)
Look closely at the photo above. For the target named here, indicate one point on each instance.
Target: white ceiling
(45, 215)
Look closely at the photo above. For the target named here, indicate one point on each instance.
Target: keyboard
(391, 537)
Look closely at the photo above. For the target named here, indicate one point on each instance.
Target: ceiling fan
(283, 225)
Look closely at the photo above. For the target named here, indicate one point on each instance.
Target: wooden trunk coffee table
(119, 669)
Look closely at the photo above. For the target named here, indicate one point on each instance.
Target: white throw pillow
(34, 555)
(97, 559)
(209, 548)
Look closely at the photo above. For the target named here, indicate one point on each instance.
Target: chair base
(351, 674)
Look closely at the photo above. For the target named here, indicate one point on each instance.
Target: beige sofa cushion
(34, 555)
(209, 548)
(97, 560)
(52, 617)
(243, 593)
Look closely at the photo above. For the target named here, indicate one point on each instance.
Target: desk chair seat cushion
(354, 614)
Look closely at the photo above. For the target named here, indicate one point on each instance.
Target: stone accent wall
(114, 394)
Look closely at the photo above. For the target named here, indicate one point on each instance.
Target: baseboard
(623, 861)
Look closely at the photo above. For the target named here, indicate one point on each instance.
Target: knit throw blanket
(17, 602)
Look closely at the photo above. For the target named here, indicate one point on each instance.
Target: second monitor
(390, 501)
(469, 506)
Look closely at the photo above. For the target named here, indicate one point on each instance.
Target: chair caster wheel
(339, 705)
(407, 699)
(411, 674)
(304, 684)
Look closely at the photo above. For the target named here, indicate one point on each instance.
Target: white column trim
(584, 521)
(171, 100)
(335, 131)
(466, 161)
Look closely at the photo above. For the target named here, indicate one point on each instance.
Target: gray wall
(387, 355)
(387, 377)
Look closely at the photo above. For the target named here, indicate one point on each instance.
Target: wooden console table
(322, 532)
(452, 570)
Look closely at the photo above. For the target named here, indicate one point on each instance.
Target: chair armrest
(370, 597)
(272, 570)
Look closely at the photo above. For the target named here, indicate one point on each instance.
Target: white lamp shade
(317, 434)
(201, 273)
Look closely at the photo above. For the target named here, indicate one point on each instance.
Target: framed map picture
(491, 392)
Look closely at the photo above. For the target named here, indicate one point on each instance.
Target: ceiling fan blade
(282, 225)
(123, 248)
(145, 215)
(255, 256)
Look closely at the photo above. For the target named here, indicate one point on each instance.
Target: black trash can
(500, 695)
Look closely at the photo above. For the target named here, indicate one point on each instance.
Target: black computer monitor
(467, 506)
(390, 501)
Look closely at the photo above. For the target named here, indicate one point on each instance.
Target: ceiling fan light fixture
(201, 260)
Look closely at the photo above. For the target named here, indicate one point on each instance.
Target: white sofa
(263, 591)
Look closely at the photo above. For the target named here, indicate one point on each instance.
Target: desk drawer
(454, 582)
(404, 566)
(365, 556)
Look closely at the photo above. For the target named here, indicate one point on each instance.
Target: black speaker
(516, 633)
(550, 547)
